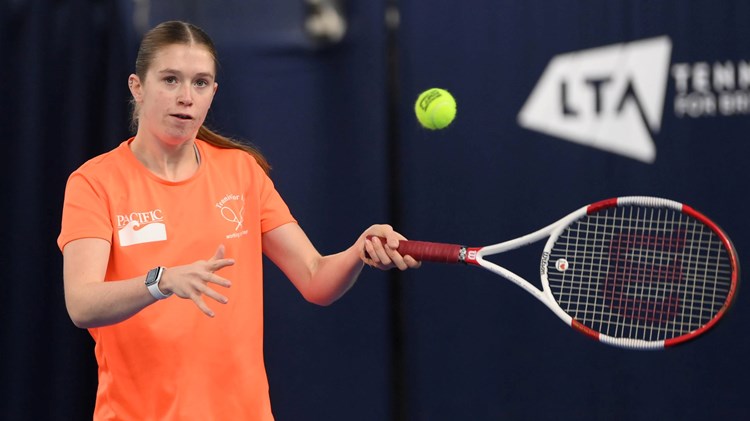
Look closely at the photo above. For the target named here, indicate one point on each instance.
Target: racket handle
(425, 251)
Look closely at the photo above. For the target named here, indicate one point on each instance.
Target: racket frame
(452, 253)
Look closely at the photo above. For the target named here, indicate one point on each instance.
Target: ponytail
(205, 134)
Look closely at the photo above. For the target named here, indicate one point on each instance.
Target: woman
(179, 210)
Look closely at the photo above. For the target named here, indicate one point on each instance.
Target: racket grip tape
(425, 251)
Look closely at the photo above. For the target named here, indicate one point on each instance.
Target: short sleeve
(85, 212)
(274, 211)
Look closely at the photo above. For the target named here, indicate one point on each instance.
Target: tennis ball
(435, 108)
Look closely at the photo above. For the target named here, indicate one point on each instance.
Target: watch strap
(152, 283)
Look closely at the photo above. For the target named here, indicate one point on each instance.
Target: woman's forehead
(184, 57)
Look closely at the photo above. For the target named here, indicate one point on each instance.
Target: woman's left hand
(384, 254)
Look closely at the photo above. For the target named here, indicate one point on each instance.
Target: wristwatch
(152, 283)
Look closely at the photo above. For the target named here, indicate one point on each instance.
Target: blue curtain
(64, 99)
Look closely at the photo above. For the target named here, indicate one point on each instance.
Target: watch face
(152, 276)
(152, 283)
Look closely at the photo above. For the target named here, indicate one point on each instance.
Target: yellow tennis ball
(435, 108)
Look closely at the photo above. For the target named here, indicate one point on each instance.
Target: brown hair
(177, 32)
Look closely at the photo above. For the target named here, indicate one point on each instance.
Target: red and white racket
(634, 272)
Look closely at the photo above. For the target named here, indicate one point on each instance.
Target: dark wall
(440, 343)
(62, 100)
(480, 348)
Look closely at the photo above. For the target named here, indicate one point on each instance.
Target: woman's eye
(170, 79)
(201, 83)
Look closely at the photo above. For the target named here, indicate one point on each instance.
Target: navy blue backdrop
(439, 343)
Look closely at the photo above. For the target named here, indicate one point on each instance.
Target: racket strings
(640, 272)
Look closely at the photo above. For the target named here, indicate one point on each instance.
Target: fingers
(218, 280)
(374, 251)
(203, 289)
(386, 231)
(198, 300)
(381, 249)
(386, 256)
(192, 281)
(218, 261)
(216, 265)
(219, 253)
(411, 262)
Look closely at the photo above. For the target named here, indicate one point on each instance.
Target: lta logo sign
(610, 98)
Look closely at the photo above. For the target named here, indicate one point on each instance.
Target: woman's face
(176, 94)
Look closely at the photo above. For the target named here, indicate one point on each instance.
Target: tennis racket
(634, 272)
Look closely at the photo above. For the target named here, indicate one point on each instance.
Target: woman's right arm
(91, 302)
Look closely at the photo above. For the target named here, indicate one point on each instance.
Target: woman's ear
(134, 84)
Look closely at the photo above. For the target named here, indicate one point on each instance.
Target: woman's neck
(170, 162)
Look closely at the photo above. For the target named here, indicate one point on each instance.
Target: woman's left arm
(324, 279)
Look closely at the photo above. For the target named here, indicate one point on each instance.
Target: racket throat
(468, 255)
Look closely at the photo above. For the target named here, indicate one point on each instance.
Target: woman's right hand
(191, 281)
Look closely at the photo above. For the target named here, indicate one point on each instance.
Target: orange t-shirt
(170, 361)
